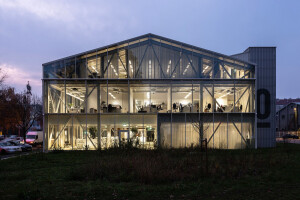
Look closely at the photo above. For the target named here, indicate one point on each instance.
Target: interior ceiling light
(114, 69)
(95, 69)
(187, 95)
(130, 65)
(150, 67)
(186, 69)
(228, 92)
(72, 95)
(205, 69)
(112, 95)
(169, 65)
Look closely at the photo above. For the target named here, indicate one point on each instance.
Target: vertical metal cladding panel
(265, 59)
(242, 56)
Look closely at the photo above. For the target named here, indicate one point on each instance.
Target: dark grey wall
(265, 60)
(288, 117)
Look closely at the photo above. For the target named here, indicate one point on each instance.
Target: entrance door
(123, 136)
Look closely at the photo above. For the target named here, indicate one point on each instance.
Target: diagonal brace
(86, 134)
(226, 70)
(214, 132)
(158, 62)
(213, 98)
(141, 61)
(240, 133)
(60, 132)
(111, 58)
(191, 63)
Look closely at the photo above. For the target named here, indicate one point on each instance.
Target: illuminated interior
(148, 92)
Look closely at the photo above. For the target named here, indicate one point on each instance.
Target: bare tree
(3, 76)
(28, 110)
(18, 110)
(8, 118)
(200, 126)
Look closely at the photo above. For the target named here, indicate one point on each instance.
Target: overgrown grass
(130, 173)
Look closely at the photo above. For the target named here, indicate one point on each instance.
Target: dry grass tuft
(164, 166)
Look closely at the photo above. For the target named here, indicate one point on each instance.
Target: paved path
(13, 155)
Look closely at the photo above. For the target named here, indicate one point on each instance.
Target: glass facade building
(151, 92)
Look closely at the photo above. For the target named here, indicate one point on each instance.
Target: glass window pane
(70, 68)
(94, 67)
(54, 70)
(92, 132)
(111, 69)
(92, 98)
(81, 67)
(196, 98)
(206, 90)
(165, 138)
(118, 98)
(243, 97)
(108, 136)
(189, 66)
(182, 95)
(235, 140)
(178, 130)
(224, 97)
(160, 98)
(75, 94)
(207, 68)
(150, 132)
(122, 64)
(56, 97)
(137, 63)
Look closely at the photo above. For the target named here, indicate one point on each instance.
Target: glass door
(123, 136)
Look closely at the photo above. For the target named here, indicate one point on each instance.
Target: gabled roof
(153, 36)
(295, 103)
(287, 101)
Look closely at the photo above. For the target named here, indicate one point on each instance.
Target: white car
(8, 148)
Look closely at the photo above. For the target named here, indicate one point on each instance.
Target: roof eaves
(297, 103)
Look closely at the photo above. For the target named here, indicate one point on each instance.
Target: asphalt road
(293, 141)
(12, 155)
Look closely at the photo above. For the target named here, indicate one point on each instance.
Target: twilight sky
(33, 32)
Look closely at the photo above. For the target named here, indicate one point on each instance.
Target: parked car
(2, 137)
(24, 147)
(292, 136)
(34, 137)
(8, 148)
(12, 137)
(20, 139)
(2, 151)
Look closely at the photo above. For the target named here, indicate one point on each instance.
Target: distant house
(280, 103)
(287, 118)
